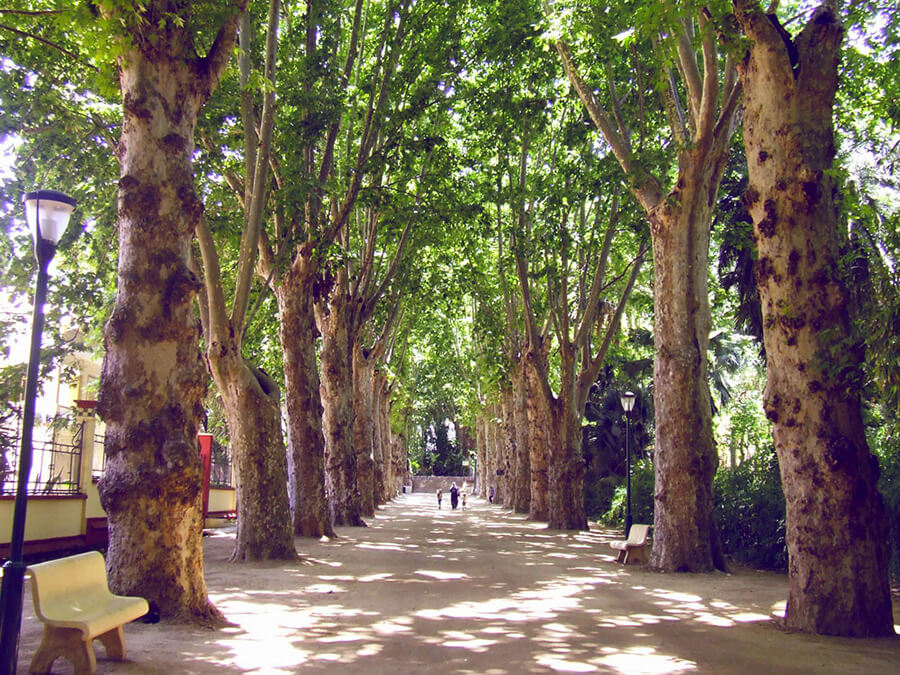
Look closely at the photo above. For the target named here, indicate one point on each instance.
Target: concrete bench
(73, 600)
(633, 549)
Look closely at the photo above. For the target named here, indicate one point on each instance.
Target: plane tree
(675, 48)
(170, 58)
(835, 522)
(251, 397)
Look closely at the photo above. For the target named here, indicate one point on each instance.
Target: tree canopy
(460, 221)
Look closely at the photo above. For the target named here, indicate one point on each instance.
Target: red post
(206, 458)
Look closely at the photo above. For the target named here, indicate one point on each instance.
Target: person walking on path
(454, 495)
(439, 496)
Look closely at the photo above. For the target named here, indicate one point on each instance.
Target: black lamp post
(627, 400)
(47, 213)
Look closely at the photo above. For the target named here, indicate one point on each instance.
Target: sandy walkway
(479, 591)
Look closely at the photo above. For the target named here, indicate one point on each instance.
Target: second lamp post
(628, 405)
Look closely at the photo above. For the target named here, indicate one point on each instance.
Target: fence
(55, 465)
(220, 474)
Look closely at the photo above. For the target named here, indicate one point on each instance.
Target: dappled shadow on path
(484, 591)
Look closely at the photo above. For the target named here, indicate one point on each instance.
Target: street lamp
(627, 400)
(47, 213)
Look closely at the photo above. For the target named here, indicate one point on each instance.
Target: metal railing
(55, 467)
(99, 451)
(220, 470)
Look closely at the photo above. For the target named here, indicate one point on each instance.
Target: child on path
(439, 496)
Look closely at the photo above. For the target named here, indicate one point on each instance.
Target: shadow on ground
(479, 591)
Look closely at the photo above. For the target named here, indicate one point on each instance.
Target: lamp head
(627, 400)
(47, 213)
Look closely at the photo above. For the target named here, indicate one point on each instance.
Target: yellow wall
(67, 516)
(93, 510)
(222, 500)
(44, 519)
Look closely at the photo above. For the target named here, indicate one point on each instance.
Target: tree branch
(259, 189)
(212, 65)
(710, 99)
(49, 43)
(212, 283)
(690, 71)
(589, 374)
(645, 187)
(593, 303)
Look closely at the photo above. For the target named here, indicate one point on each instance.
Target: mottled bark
(402, 472)
(495, 451)
(480, 457)
(685, 457)
(381, 441)
(337, 421)
(538, 449)
(522, 499)
(251, 398)
(310, 512)
(153, 379)
(836, 524)
(566, 466)
(253, 414)
(363, 429)
(508, 449)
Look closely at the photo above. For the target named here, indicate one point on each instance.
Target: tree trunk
(508, 465)
(311, 516)
(337, 420)
(566, 465)
(393, 482)
(538, 448)
(154, 378)
(836, 524)
(253, 413)
(401, 462)
(381, 448)
(496, 452)
(685, 458)
(481, 456)
(490, 455)
(522, 500)
(363, 430)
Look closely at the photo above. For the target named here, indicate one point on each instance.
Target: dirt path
(479, 591)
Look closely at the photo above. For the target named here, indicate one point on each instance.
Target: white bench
(633, 549)
(73, 600)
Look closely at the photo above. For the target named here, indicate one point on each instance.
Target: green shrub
(642, 486)
(598, 495)
(887, 449)
(750, 511)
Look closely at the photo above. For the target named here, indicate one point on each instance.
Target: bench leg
(636, 554)
(68, 643)
(622, 556)
(114, 642)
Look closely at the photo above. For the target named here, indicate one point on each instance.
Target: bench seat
(634, 548)
(73, 601)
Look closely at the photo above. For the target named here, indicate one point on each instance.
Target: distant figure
(440, 495)
(491, 495)
(463, 495)
(454, 495)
